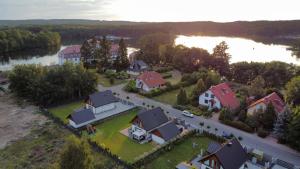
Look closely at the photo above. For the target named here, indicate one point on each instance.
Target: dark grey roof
(102, 98)
(137, 65)
(152, 118)
(82, 115)
(213, 147)
(232, 155)
(168, 131)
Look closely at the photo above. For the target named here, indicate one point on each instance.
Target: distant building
(149, 81)
(219, 96)
(113, 49)
(137, 66)
(153, 125)
(261, 104)
(70, 54)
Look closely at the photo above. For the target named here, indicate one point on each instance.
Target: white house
(153, 125)
(136, 67)
(70, 54)
(219, 96)
(150, 80)
(97, 106)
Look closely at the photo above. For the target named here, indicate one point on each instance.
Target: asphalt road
(250, 140)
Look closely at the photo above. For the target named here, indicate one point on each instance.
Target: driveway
(250, 140)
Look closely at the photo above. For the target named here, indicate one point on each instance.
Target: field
(171, 97)
(40, 149)
(108, 135)
(63, 111)
(182, 152)
(104, 81)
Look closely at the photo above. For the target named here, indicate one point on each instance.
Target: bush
(163, 69)
(111, 80)
(239, 125)
(180, 107)
(131, 87)
(110, 74)
(262, 133)
(167, 75)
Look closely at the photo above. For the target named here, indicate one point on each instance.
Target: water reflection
(242, 49)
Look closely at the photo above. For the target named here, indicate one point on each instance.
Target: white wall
(256, 108)
(144, 87)
(202, 99)
(157, 139)
(104, 108)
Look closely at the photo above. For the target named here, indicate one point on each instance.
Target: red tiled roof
(225, 95)
(74, 49)
(274, 99)
(152, 79)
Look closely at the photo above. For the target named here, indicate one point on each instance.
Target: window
(212, 96)
(206, 94)
(206, 101)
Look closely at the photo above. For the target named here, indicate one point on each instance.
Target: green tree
(212, 78)
(198, 89)
(257, 87)
(292, 93)
(225, 114)
(269, 117)
(221, 62)
(104, 52)
(293, 137)
(76, 155)
(122, 62)
(181, 97)
(85, 51)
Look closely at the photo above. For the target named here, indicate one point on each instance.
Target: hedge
(239, 125)
(262, 133)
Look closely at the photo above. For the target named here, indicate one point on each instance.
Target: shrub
(167, 75)
(111, 80)
(131, 87)
(163, 69)
(262, 133)
(180, 107)
(239, 125)
(110, 74)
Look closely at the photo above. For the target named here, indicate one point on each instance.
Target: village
(156, 116)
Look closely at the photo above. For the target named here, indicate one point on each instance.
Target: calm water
(241, 49)
(46, 59)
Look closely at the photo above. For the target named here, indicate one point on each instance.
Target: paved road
(250, 140)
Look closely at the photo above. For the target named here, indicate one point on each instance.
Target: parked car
(187, 113)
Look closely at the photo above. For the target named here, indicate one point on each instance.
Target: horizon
(143, 11)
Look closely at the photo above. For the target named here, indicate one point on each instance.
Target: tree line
(51, 85)
(12, 40)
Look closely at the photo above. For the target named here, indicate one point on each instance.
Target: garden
(108, 136)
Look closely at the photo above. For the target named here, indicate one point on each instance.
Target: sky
(151, 10)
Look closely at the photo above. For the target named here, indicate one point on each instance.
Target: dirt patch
(16, 121)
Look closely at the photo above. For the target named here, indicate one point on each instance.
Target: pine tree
(85, 51)
(293, 136)
(281, 124)
(181, 97)
(104, 52)
(199, 88)
(269, 117)
(123, 55)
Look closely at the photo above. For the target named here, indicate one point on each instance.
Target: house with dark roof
(149, 81)
(98, 106)
(136, 67)
(261, 104)
(70, 54)
(153, 125)
(219, 96)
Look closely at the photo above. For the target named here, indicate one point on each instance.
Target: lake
(44, 59)
(241, 49)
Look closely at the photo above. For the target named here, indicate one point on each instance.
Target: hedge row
(239, 125)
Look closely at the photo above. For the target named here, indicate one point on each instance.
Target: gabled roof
(152, 118)
(82, 115)
(137, 65)
(273, 98)
(151, 78)
(231, 155)
(168, 131)
(74, 49)
(213, 147)
(225, 95)
(102, 98)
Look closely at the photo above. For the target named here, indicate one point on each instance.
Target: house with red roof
(150, 80)
(70, 54)
(219, 96)
(261, 104)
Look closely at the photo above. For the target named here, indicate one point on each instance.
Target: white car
(187, 113)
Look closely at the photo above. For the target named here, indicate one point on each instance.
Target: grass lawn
(41, 148)
(104, 81)
(181, 152)
(171, 97)
(63, 111)
(108, 135)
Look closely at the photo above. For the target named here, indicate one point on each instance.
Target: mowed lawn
(64, 111)
(104, 81)
(181, 152)
(171, 97)
(108, 135)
